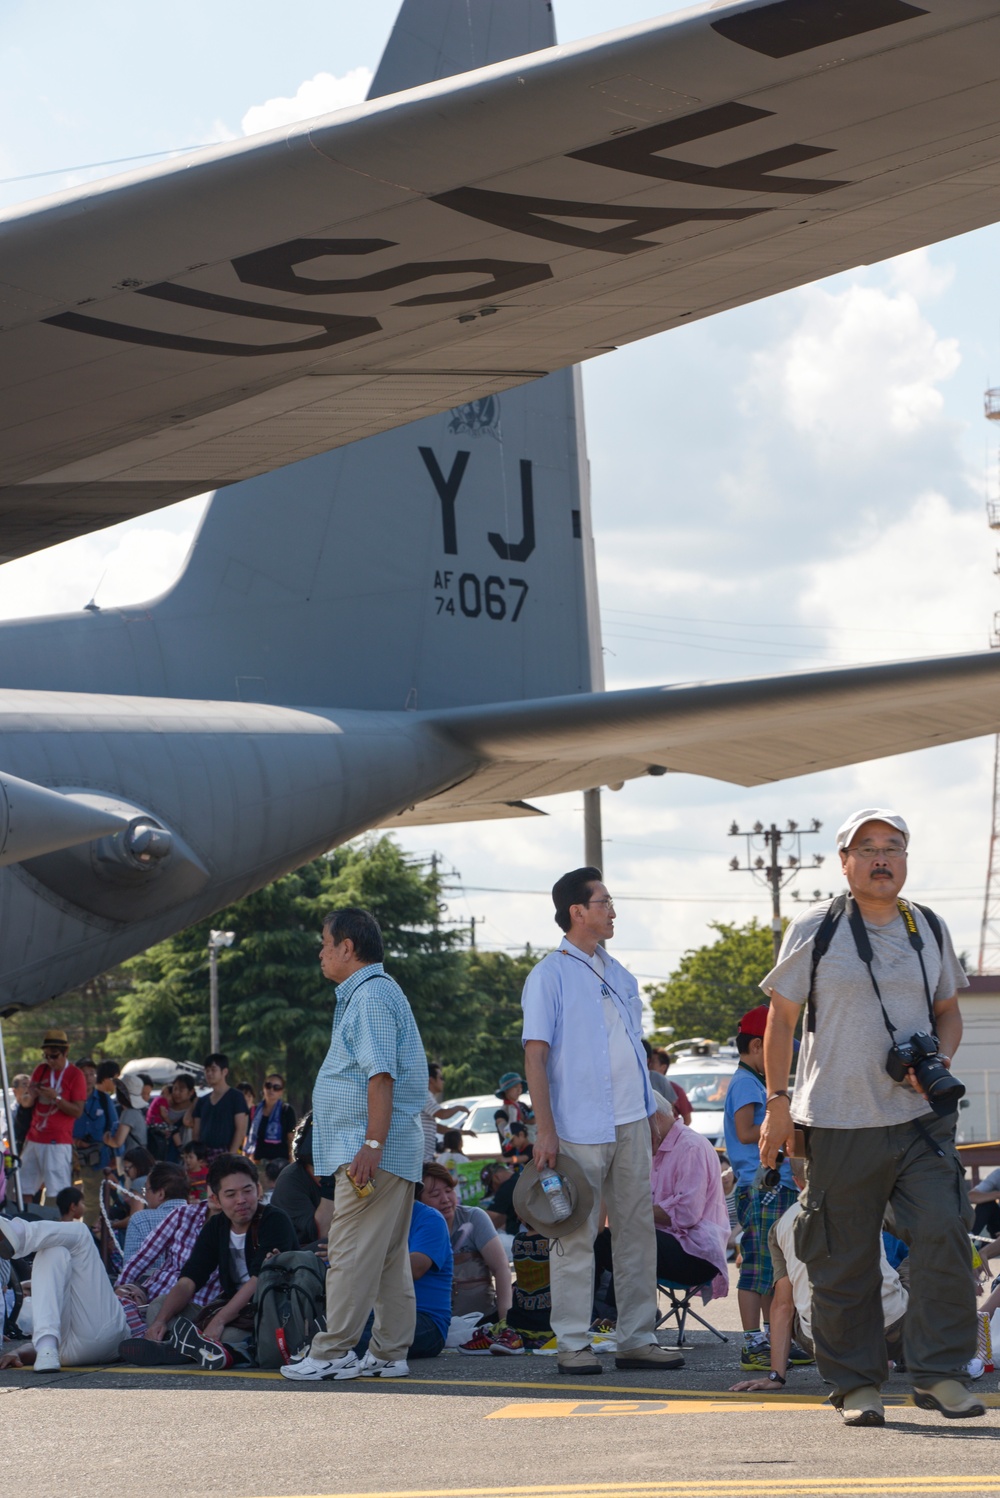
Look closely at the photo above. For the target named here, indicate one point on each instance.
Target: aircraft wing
(747, 732)
(189, 326)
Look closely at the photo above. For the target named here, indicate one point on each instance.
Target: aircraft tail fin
(434, 39)
(442, 564)
(445, 563)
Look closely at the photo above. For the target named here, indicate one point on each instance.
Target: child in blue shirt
(757, 1208)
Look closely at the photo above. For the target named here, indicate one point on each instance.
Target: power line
(90, 166)
(854, 629)
(720, 899)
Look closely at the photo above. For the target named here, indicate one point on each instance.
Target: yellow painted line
(731, 1488)
(549, 1409)
(692, 1399)
(564, 1386)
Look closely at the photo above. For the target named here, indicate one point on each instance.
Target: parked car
(482, 1142)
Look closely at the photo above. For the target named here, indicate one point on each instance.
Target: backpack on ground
(289, 1306)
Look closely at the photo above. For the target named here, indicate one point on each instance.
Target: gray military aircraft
(403, 629)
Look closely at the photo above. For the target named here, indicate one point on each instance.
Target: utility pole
(770, 870)
(216, 941)
(593, 841)
(989, 931)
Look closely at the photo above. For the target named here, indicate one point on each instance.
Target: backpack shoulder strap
(821, 943)
(934, 923)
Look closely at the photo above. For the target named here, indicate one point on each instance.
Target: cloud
(320, 95)
(929, 570)
(862, 368)
(126, 564)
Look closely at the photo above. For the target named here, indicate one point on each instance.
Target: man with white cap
(877, 976)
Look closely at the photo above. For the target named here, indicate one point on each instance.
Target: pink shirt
(687, 1184)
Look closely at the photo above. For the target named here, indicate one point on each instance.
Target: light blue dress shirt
(373, 1031)
(563, 1003)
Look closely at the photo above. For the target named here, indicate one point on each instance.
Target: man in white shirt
(590, 1091)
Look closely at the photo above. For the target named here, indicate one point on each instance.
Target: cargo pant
(852, 1175)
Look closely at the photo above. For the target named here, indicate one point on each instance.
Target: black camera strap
(863, 947)
(824, 935)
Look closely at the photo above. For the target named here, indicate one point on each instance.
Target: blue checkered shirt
(373, 1031)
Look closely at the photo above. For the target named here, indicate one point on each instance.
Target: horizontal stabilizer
(34, 820)
(424, 814)
(747, 732)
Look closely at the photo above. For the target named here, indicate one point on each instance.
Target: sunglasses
(274, 1086)
(53, 1052)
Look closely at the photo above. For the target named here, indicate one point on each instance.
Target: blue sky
(795, 483)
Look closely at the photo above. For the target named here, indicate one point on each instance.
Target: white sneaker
(47, 1361)
(976, 1368)
(315, 1370)
(373, 1367)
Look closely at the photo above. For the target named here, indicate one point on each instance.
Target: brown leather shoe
(583, 1361)
(652, 1357)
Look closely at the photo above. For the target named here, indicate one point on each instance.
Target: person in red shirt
(56, 1096)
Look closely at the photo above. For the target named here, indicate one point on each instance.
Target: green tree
(491, 1005)
(274, 1007)
(714, 985)
(86, 1014)
(421, 953)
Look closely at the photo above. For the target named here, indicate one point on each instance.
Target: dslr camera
(921, 1053)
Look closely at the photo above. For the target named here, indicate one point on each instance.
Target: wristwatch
(775, 1378)
(373, 1144)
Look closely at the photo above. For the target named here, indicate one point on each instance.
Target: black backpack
(289, 1306)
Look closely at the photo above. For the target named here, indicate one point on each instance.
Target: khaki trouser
(852, 1175)
(369, 1266)
(619, 1176)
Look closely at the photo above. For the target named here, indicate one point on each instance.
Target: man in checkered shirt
(156, 1266)
(366, 1130)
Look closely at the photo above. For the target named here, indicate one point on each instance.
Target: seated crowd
(218, 1190)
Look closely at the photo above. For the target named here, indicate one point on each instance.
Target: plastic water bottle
(552, 1185)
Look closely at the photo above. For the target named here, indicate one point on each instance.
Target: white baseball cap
(870, 814)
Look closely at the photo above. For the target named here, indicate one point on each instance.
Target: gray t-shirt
(472, 1284)
(841, 1081)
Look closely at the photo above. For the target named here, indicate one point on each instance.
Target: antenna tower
(989, 933)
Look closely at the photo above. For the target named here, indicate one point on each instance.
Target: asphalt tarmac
(486, 1427)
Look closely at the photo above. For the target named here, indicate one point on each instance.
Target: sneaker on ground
(756, 1355)
(479, 1344)
(148, 1354)
(47, 1361)
(507, 1342)
(373, 1367)
(192, 1344)
(533, 1341)
(317, 1370)
(976, 1368)
(603, 1327)
(797, 1357)
(949, 1398)
(863, 1406)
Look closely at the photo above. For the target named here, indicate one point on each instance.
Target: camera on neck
(921, 1053)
